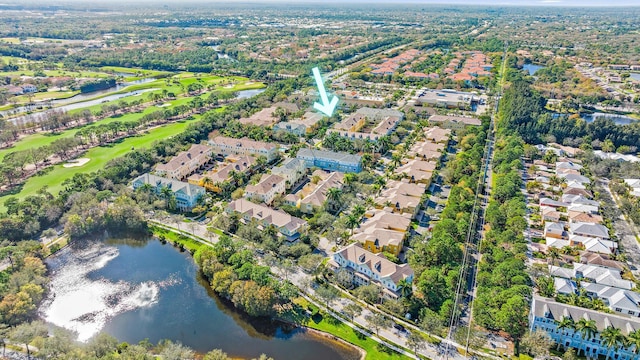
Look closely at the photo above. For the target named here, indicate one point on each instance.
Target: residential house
(426, 150)
(213, 179)
(401, 196)
(577, 217)
(314, 194)
(545, 315)
(382, 231)
(264, 117)
(222, 145)
(303, 126)
(186, 162)
(368, 268)
(267, 189)
(550, 214)
(634, 184)
(292, 169)
(555, 230)
(589, 229)
(186, 195)
(331, 161)
(437, 134)
(419, 171)
(289, 226)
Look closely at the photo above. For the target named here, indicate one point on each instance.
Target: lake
(244, 94)
(618, 119)
(532, 68)
(137, 289)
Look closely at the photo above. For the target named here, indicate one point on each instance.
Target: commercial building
(454, 122)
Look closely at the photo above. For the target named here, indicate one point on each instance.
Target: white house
(369, 268)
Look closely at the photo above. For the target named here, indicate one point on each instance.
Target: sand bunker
(76, 162)
(164, 105)
(230, 86)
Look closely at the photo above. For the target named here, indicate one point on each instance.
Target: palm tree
(612, 338)
(565, 323)
(349, 179)
(395, 159)
(634, 340)
(359, 210)
(334, 197)
(207, 183)
(169, 198)
(587, 330)
(553, 254)
(145, 188)
(352, 221)
(405, 288)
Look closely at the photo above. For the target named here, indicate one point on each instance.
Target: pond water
(532, 68)
(618, 119)
(243, 94)
(35, 117)
(137, 289)
(79, 102)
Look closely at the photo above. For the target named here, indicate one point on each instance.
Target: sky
(572, 3)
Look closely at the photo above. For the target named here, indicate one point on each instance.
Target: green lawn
(328, 324)
(99, 157)
(42, 139)
(173, 237)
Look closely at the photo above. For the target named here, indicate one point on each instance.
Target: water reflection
(142, 289)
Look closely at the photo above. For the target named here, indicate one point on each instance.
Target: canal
(138, 289)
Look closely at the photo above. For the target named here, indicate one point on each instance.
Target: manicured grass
(99, 157)
(42, 139)
(134, 71)
(335, 327)
(173, 237)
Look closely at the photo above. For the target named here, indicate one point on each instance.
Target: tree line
(523, 111)
(504, 287)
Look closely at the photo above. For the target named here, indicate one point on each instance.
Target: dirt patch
(76, 162)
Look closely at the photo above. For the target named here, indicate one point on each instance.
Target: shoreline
(363, 353)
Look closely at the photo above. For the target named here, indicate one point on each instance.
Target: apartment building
(186, 162)
(314, 194)
(187, 195)
(545, 315)
(267, 189)
(222, 145)
(291, 170)
(381, 231)
(402, 197)
(289, 226)
(330, 161)
(368, 268)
